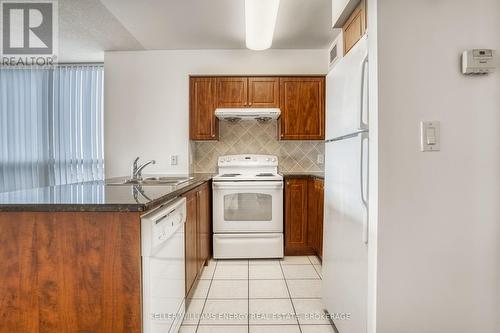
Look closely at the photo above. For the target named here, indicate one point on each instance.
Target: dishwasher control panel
(160, 224)
(166, 225)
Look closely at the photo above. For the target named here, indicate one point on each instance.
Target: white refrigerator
(345, 238)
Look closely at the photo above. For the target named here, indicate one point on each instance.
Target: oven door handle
(266, 185)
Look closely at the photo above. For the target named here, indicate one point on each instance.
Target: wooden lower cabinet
(191, 240)
(303, 216)
(81, 271)
(296, 217)
(204, 225)
(315, 207)
(198, 232)
(70, 272)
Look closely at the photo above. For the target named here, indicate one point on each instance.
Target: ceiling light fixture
(260, 20)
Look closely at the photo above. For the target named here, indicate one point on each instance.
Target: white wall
(146, 98)
(438, 213)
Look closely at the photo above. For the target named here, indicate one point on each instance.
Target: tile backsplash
(251, 137)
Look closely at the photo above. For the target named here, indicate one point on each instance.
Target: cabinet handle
(212, 128)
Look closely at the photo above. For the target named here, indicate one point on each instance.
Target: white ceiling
(87, 28)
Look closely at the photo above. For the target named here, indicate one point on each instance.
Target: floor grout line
(251, 298)
(314, 266)
(248, 295)
(206, 297)
(291, 301)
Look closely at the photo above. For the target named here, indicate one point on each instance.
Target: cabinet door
(263, 92)
(296, 240)
(355, 27)
(203, 125)
(315, 204)
(191, 240)
(232, 92)
(204, 225)
(302, 103)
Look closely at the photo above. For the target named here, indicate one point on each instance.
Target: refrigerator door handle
(363, 125)
(347, 136)
(364, 196)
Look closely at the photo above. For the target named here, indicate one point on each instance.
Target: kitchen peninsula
(71, 254)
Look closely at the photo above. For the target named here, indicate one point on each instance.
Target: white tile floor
(258, 296)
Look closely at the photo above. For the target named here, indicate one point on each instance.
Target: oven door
(248, 206)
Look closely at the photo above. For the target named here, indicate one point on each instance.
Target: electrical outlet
(174, 159)
(320, 159)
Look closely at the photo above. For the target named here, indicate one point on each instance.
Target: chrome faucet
(137, 169)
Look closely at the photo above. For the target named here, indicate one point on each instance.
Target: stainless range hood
(236, 114)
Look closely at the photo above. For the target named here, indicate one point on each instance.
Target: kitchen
(261, 166)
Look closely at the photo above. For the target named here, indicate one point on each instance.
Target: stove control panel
(248, 160)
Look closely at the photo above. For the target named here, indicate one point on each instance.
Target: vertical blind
(51, 126)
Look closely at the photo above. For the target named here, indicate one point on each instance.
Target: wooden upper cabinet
(242, 92)
(355, 27)
(302, 103)
(232, 92)
(263, 92)
(203, 125)
(301, 100)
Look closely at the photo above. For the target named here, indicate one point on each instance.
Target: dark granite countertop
(319, 175)
(99, 196)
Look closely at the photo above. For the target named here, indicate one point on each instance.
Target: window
(51, 126)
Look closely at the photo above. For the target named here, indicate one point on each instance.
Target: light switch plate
(430, 136)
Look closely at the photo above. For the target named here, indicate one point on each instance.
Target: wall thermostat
(478, 61)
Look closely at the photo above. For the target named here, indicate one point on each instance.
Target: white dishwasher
(163, 269)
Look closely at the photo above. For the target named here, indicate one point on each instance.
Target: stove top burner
(237, 177)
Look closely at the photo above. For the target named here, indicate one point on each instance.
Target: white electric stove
(248, 208)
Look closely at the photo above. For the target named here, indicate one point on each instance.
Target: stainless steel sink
(167, 180)
(160, 180)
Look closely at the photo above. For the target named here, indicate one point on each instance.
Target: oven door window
(248, 207)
